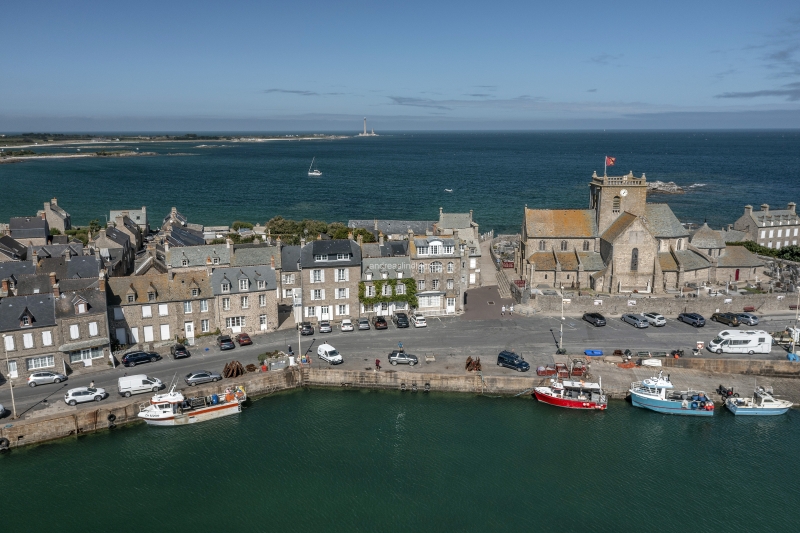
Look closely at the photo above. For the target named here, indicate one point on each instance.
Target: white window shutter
(346, 309)
(74, 332)
(322, 275)
(347, 274)
(93, 328)
(347, 292)
(9, 342)
(47, 338)
(27, 340)
(322, 294)
(311, 276)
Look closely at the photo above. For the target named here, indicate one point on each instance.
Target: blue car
(225, 342)
(693, 319)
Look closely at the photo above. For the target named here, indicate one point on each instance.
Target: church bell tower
(610, 196)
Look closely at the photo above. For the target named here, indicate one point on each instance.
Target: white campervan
(128, 385)
(733, 341)
(328, 353)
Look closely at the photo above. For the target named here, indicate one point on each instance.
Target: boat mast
(312, 164)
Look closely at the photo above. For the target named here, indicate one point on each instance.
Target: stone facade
(329, 274)
(775, 228)
(30, 336)
(464, 230)
(247, 299)
(439, 268)
(56, 217)
(82, 317)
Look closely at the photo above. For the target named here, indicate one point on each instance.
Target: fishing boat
(572, 395)
(657, 394)
(173, 409)
(313, 172)
(761, 404)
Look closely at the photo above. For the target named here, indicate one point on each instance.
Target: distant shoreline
(20, 158)
(133, 140)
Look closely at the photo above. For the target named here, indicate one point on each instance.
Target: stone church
(624, 244)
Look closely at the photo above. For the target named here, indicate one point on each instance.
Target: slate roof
(739, 256)
(118, 236)
(82, 266)
(290, 258)
(95, 300)
(332, 247)
(179, 289)
(387, 249)
(391, 265)
(661, 222)
(28, 227)
(77, 284)
(233, 274)
(734, 235)
(13, 270)
(560, 223)
(592, 261)
(40, 306)
(394, 227)
(775, 215)
(178, 236)
(35, 284)
(454, 220)
(667, 262)
(618, 227)
(199, 255)
(689, 259)
(706, 237)
(56, 250)
(12, 249)
(255, 254)
(543, 260)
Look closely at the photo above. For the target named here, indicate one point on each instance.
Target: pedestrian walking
(377, 364)
(511, 310)
(503, 311)
(91, 384)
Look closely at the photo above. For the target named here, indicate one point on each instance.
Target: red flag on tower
(610, 161)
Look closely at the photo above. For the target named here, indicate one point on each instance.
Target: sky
(323, 66)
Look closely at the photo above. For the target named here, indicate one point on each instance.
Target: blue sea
(404, 176)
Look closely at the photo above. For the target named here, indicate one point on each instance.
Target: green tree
(55, 231)
(238, 224)
(94, 226)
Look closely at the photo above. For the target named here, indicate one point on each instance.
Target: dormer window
(185, 262)
(262, 284)
(369, 276)
(215, 260)
(226, 287)
(80, 308)
(244, 284)
(151, 296)
(26, 321)
(130, 298)
(195, 293)
(435, 249)
(448, 249)
(319, 257)
(342, 257)
(422, 250)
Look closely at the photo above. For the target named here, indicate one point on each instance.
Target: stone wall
(786, 369)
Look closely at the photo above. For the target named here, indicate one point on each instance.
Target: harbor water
(330, 460)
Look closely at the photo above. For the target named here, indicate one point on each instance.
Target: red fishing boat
(572, 395)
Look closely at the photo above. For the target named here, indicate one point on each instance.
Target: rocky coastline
(661, 187)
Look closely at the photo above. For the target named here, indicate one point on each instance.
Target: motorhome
(736, 341)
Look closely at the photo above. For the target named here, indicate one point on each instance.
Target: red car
(243, 339)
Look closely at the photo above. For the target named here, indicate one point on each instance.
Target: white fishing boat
(173, 409)
(313, 171)
(761, 404)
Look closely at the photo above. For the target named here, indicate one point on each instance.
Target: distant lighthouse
(364, 133)
(365, 125)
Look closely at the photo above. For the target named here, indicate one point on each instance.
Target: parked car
(363, 323)
(399, 356)
(346, 325)
(225, 342)
(40, 378)
(243, 339)
(400, 320)
(325, 327)
(127, 385)
(748, 319)
(328, 353)
(179, 351)
(2, 410)
(137, 358)
(201, 376)
(655, 319)
(596, 319)
(726, 318)
(637, 321)
(380, 322)
(693, 319)
(84, 394)
(306, 328)
(512, 360)
(418, 321)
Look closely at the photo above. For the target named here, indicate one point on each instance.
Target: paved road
(449, 339)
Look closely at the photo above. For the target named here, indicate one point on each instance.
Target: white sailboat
(313, 172)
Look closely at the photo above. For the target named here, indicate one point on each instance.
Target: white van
(328, 353)
(733, 341)
(139, 383)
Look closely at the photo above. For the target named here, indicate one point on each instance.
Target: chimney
(44, 216)
(101, 282)
(360, 240)
(302, 241)
(67, 255)
(272, 262)
(410, 234)
(748, 210)
(166, 246)
(440, 212)
(765, 208)
(350, 235)
(376, 224)
(171, 275)
(791, 207)
(470, 215)
(278, 241)
(56, 291)
(228, 242)
(52, 278)
(54, 201)
(380, 239)
(5, 285)
(319, 236)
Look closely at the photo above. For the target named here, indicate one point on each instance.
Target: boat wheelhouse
(572, 395)
(761, 404)
(657, 394)
(173, 409)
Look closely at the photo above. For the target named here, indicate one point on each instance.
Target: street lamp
(10, 385)
(561, 349)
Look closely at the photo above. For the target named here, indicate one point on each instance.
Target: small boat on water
(761, 404)
(313, 172)
(572, 395)
(173, 409)
(657, 394)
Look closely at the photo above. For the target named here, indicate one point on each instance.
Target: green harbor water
(322, 460)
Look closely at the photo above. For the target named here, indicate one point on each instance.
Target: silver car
(325, 327)
(398, 356)
(363, 323)
(42, 378)
(747, 318)
(636, 321)
(655, 319)
(201, 376)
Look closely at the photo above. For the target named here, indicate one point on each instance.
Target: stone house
(204, 257)
(289, 282)
(330, 271)
(127, 226)
(158, 308)
(384, 268)
(394, 230)
(29, 230)
(83, 333)
(69, 266)
(138, 216)
(247, 298)
(115, 247)
(29, 336)
(11, 273)
(56, 217)
(775, 228)
(438, 267)
(464, 229)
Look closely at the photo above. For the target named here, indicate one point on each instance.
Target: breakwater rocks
(669, 187)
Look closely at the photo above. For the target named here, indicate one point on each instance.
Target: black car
(225, 342)
(512, 360)
(137, 358)
(400, 320)
(595, 319)
(179, 351)
(306, 328)
(380, 323)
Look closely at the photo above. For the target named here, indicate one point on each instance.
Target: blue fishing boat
(761, 404)
(657, 394)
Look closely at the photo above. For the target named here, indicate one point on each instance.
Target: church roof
(592, 261)
(739, 256)
(618, 227)
(543, 260)
(560, 223)
(706, 237)
(660, 221)
(689, 260)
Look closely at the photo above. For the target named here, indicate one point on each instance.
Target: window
(450, 283)
(436, 267)
(316, 294)
(341, 274)
(679, 244)
(151, 297)
(421, 268)
(215, 260)
(435, 284)
(261, 284)
(9, 342)
(187, 307)
(635, 259)
(118, 314)
(195, 293)
(763, 234)
(541, 246)
(771, 233)
(287, 293)
(27, 340)
(342, 257)
(311, 311)
(769, 244)
(287, 279)
(204, 327)
(369, 276)
(387, 290)
(74, 332)
(163, 309)
(451, 267)
(46, 361)
(451, 303)
(319, 257)
(421, 285)
(399, 274)
(324, 311)
(370, 290)
(262, 321)
(244, 284)
(400, 288)
(226, 287)
(780, 231)
(316, 276)
(185, 262)
(93, 329)
(245, 302)
(80, 308)
(26, 321)
(130, 298)
(235, 322)
(448, 249)
(435, 249)
(203, 306)
(341, 293)
(563, 246)
(47, 338)
(226, 304)
(585, 246)
(85, 355)
(422, 250)
(147, 311)
(615, 206)
(262, 300)
(341, 309)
